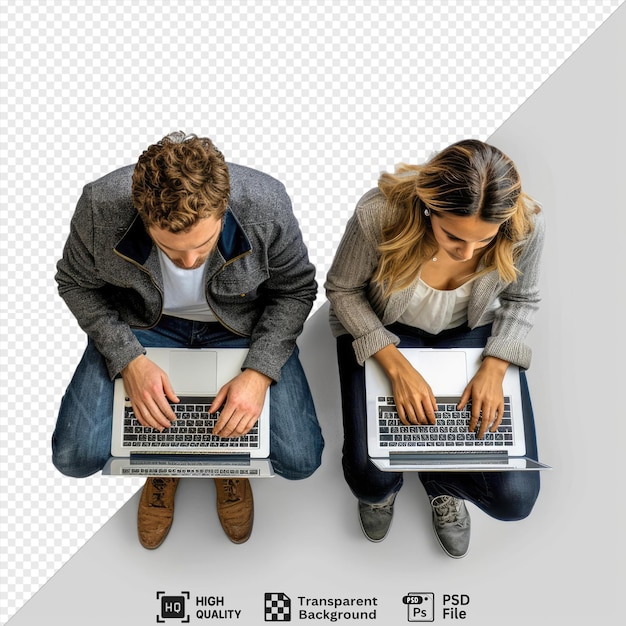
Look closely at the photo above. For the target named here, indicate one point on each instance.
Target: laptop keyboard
(192, 429)
(450, 430)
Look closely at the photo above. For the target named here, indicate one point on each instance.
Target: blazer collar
(233, 241)
(136, 244)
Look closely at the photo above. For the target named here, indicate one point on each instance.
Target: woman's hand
(414, 398)
(485, 391)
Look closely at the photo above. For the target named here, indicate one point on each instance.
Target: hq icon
(172, 607)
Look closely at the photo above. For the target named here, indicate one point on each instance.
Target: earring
(427, 212)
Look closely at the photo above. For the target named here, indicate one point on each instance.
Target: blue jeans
(81, 442)
(507, 495)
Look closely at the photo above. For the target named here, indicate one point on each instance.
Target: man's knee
(298, 466)
(69, 467)
(71, 462)
(293, 474)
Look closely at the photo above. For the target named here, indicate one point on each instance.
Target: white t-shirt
(184, 291)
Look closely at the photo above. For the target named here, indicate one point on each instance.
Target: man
(185, 250)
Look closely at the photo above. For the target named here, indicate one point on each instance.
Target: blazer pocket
(238, 286)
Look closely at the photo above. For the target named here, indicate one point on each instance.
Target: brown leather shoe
(235, 507)
(156, 511)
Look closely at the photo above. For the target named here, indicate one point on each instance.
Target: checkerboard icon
(277, 607)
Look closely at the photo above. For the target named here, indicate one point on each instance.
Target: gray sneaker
(376, 519)
(452, 525)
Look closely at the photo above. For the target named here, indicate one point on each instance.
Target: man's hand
(241, 402)
(149, 389)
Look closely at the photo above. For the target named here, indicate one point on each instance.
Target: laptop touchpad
(193, 372)
(444, 370)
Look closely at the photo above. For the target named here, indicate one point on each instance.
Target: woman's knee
(516, 501)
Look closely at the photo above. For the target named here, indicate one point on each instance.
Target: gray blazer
(259, 281)
(359, 308)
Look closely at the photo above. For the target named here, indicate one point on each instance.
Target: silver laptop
(188, 448)
(448, 445)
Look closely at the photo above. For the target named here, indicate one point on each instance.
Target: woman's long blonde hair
(467, 178)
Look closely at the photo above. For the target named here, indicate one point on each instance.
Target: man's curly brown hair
(179, 181)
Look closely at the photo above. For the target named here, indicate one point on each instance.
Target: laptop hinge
(400, 458)
(226, 458)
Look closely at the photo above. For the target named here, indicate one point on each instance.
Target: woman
(444, 254)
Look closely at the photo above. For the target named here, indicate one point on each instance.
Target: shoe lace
(386, 505)
(446, 509)
(382, 507)
(158, 488)
(230, 486)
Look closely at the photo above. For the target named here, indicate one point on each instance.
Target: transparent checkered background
(322, 95)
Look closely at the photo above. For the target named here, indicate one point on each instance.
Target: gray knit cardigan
(358, 307)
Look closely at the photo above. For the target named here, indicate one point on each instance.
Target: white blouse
(433, 310)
